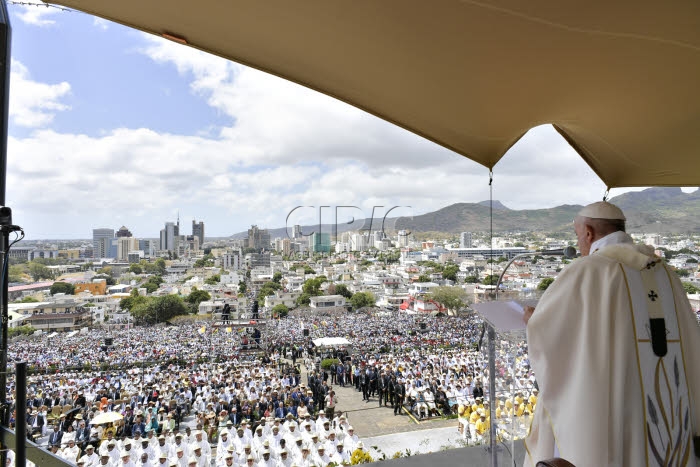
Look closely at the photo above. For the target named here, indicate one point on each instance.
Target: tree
(242, 287)
(268, 288)
(450, 272)
(109, 280)
(545, 283)
(313, 286)
(277, 277)
(39, 271)
(197, 296)
(362, 299)
(152, 283)
(452, 298)
(160, 264)
(62, 287)
(280, 310)
(107, 271)
(15, 273)
(130, 302)
(28, 300)
(158, 309)
(213, 280)
(342, 289)
(471, 279)
(423, 278)
(135, 268)
(303, 299)
(491, 279)
(682, 272)
(691, 288)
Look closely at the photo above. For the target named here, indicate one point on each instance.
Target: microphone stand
(569, 252)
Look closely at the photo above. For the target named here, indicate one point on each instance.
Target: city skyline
(110, 126)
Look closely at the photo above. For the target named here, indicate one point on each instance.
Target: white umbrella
(107, 417)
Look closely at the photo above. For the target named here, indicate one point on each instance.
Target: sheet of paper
(504, 315)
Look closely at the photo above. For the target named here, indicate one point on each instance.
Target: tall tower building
(123, 232)
(465, 240)
(169, 236)
(258, 238)
(198, 230)
(101, 242)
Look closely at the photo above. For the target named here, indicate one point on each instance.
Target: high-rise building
(286, 247)
(297, 232)
(169, 236)
(320, 242)
(231, 261)
(148, 247)
(258, 238)
(192, 242)
(126, 245)
(198, 230)
(465, 240)
(123, 232)
(403, 238)
(101, 242)
(358, 242)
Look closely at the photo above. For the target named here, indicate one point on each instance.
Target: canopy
(331, 342)
(618, 80)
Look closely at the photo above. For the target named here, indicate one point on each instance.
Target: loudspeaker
(109, 341)
(306, 333)
(423, 326)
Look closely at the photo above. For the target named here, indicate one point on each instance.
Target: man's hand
(528, 311)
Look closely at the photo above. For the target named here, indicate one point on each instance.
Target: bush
(326, 363)
(20, 331)
(360, 456)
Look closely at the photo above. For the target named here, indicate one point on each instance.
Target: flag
(202, 330)
(229, 329)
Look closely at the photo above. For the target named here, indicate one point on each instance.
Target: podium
(504, 324)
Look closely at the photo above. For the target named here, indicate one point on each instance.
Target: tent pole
(5, 218)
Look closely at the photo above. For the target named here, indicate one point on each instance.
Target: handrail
(35, 453)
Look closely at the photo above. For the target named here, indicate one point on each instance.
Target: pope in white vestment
(614, 345)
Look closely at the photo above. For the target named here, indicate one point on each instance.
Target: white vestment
(605, 398)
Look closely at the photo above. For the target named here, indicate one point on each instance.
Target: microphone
(568, 252)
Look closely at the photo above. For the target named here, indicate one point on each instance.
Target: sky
(110, 126)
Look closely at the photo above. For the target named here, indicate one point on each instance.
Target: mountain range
(654, 210)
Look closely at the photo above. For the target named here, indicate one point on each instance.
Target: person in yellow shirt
(474, 417)
(533, 397)
(482, 425)
(500, 410)
(521, 410)
(519, 399)
(463, 419)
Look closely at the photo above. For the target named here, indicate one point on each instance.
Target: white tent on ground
(331, 342)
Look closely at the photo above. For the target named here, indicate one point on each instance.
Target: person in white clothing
(126, 460)
(340, 456)
(284, 460)
(321, 457)
(91, 459)
(70, 452)
(610, 342)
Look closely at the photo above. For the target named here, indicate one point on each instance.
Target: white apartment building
(327, 301)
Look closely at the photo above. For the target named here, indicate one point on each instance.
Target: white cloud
(286, 146)
(37, 14)
(34, 104)
(100, 23)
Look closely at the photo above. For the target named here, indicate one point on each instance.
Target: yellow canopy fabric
(619, 80)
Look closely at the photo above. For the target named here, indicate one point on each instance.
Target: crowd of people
(177, 388)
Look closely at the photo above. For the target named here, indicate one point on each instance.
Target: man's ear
(590, 233)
